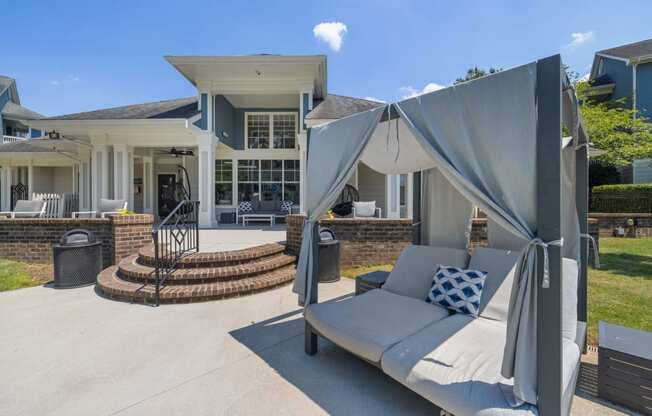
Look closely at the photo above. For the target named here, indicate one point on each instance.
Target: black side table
(370, 281)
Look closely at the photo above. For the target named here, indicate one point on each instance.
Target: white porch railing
(12, 139)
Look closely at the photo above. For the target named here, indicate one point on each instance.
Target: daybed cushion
(369, 324)
(569, 299)
(415, 267)
(500, 266)
(455, 363)
(28, 209)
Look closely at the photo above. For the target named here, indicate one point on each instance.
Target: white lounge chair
(453, 360)
(26, 209)
(105, 207)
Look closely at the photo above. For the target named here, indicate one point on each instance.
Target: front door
(166, 194)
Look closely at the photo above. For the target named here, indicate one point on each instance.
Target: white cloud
(378, 100)
(331, 33)
(73, 78)
(580, 38)
(409, 91)
(585, 77)
(55, 83)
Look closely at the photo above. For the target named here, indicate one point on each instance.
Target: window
(280, 127)
(285, 131)
(223, 182)
(248, 180)
(291, 178)
(258, 131)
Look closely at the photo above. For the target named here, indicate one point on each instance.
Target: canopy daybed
(494, 143)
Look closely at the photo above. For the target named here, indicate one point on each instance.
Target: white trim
(270, 115)
(613, 57)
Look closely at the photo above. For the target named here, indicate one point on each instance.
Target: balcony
(12, 139)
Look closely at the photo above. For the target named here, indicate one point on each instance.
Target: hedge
(624, 198)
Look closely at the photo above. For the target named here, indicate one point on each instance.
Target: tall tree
(622, 133)
(475, 72)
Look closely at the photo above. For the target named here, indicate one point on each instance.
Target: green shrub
(622, 198)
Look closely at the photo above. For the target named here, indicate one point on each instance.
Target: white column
(100, 173)
(303, 147)
(85, 182)
(234, 175)
(409, 195)
(148, 184)
(206, 176)
(30, 180)
(123, 174)
(392, 195)
(5, 190)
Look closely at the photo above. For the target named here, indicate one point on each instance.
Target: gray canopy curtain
(481, 138)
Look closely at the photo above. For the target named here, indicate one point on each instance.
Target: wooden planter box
(625, 367)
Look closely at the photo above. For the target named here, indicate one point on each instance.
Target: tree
(622, 133)
(475, 72)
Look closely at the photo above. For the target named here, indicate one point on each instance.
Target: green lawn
(15, 275)
(620, 292)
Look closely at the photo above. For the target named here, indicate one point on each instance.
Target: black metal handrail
(175, 237)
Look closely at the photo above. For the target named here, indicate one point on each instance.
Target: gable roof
(338, 106)
(631, 51)
(5, 82)
(167, 109)
(18, 112)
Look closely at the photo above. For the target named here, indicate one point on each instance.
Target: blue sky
(70, 56)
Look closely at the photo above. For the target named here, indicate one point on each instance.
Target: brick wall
(362, 241)
(608, 222)
(31, 239)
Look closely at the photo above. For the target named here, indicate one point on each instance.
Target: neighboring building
(246, 128)
(625, 72)
(11, 113)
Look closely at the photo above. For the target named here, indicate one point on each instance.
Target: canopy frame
(549, 95)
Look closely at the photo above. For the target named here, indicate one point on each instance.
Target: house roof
(338, 106)
(18, 112)
(168, 109)
(31, 146)
(631, 51)
(5, 82)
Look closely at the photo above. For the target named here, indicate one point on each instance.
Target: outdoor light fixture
(54, 135)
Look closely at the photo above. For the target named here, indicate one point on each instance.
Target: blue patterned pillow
(286, 206)
(245, 206)
(457, 289)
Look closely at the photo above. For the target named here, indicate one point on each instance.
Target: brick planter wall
(362, 241)
(608, 222)
(31, 239)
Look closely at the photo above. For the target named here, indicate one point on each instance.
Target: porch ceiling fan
(177, 152)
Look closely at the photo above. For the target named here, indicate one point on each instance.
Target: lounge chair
(453, 360)
(26, 209)
(105, 207)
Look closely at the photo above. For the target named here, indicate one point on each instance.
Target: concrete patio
(237, 237)
(71, 352)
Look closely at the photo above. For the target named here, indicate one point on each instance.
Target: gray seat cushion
(416, 266)
(28, 209)
(455, 363)
(500, 266)
(369, 324)
(110, 205)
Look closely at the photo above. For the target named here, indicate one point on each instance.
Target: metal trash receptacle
(329, 256)
(77, 259)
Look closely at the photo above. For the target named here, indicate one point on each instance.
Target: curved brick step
(131, 270)
(216, 259)
(113, 287)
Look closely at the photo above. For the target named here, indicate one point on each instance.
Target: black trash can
(329, 256)
(77, 259)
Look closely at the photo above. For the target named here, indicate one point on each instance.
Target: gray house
(625, 72)
(11, 112)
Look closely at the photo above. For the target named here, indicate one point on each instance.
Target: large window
(248, 180)
(280, 127)
(223, 182)
(291, 178)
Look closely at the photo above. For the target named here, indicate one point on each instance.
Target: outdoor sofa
(452, 359)
(279, 209)
(104, 208)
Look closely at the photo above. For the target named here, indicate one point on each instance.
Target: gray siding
(621, 74)
(5, 97)
(371, 186)
(644, 89)
(202, 123)
(642, 171)
(305, 110)
(223, 120)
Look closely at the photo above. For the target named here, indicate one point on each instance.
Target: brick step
(131, 270)
(217, 259)
(112, 286)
